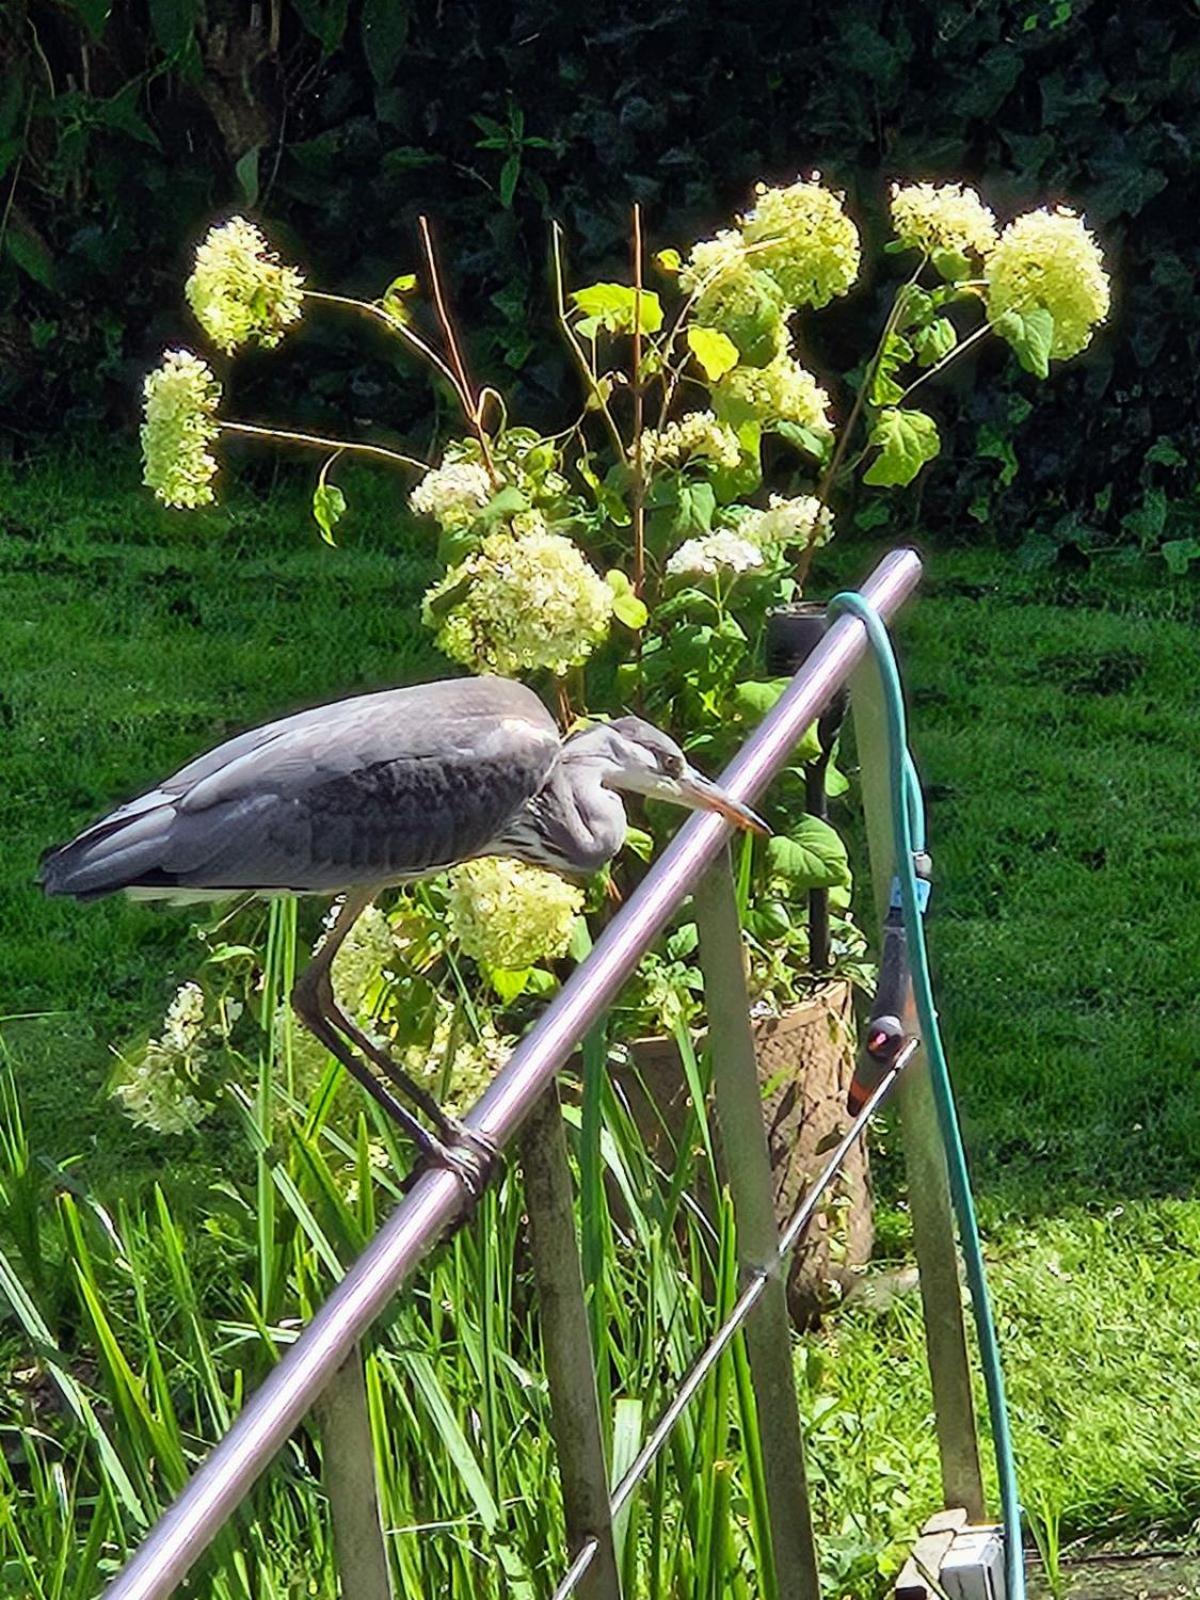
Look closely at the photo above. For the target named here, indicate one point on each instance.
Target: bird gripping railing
(435, 1202)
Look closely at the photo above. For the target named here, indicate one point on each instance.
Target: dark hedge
(122, 135)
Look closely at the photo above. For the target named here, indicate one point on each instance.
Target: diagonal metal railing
(696, 862)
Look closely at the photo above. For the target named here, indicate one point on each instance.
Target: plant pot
(805, 1063)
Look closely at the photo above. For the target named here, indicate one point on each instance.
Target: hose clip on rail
(886, 1031)
(907, 919)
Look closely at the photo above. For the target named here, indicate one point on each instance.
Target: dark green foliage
(120, 137)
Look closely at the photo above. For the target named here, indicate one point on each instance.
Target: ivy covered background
(126, 127)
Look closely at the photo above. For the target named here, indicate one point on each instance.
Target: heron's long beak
(699, 794)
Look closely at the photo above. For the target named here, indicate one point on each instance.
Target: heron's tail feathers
(123, 850)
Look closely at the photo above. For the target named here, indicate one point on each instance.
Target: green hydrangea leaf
(396, 295)
(951, 265)
(1179, 555)
(812, 856)
(611, 306)
(328, 508)
(756, 697)
(906, 440)
(509, 985)
(1031, 335)
(640, 842)
(506, 502)
(668, 261)
(714, 350)
(627, 608)
(935, 341)
(805, 440)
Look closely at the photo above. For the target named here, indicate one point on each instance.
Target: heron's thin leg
(313, 1019)
(315, 1003)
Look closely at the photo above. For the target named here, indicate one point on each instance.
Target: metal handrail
(436, 1199)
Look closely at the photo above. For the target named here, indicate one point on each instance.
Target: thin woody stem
(939, 366)
(589, 377)
(393, 324)
(565, 715)
(463, 383)
(312, 441)
(639, 473)
(826, 485)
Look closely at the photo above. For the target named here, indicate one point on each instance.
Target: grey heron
(353, 797)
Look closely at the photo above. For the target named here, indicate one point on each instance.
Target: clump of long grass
(136, 1337)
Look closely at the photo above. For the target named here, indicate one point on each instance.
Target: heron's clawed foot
(472, 1157)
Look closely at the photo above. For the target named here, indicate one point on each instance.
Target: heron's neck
(572, 824)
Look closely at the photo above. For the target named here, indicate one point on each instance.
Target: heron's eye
(672, 764)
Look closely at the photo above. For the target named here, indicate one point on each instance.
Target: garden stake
(567, 1345)
(348, 1473)
(748, 1171)
(924, 1153)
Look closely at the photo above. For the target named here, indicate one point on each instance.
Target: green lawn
(1055, 727)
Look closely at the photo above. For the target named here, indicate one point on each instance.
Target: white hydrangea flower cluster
(160, 1089)
(510, 914)
(240, 291)
(699, 434)
(1049, 260)
(802, 520)
(782, 391)
(362, 958)
(732, 295)
(723, 550)
(454, 1066)
(180, 426)
(946, 216)
(452, 494)
(801, 236)
(520, 604)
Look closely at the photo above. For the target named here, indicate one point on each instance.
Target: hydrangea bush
(631, 559)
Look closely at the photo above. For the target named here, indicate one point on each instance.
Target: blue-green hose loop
(908, 825)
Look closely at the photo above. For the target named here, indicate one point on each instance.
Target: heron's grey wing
(368, 790)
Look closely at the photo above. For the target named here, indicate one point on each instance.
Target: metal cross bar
(436, 1199)
(743, 1306)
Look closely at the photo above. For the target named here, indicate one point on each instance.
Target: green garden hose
(908, 826)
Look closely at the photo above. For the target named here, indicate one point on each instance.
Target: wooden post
(924, 1154)
(567, 1345)
(348, 1473)
(747, 1163)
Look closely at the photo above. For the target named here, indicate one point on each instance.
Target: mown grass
(131, 639)
(1054, 724)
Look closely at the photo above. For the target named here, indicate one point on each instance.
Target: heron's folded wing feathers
(365, 790)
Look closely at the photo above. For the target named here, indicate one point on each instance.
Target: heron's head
(636, 758)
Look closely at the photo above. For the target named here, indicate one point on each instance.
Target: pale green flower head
(1048, 260)
(802, 237)
(240, 291)
(455, 1065)
(949, 216)
(181, 399)
(782, 391)
(697, 436)
(734, 297)
(519, 603)
(362, 959)
(160, 1089)
(801, 520)
(512, 915)
(452, 494)
(722, 551)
